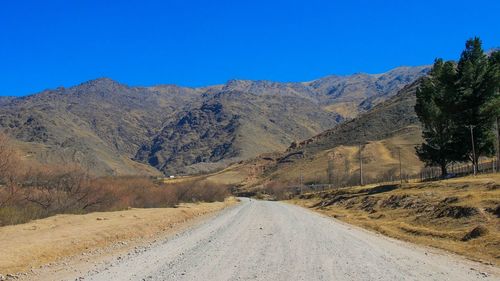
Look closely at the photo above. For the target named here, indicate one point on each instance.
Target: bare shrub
(10, 171)
(200, 191)
(280, 190)
(136, 192)
(32, 191)
(58, 190)
(9, 160)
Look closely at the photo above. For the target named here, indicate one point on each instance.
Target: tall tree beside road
(477, 82)
(492, 108)
(458, 105)
(433, 98)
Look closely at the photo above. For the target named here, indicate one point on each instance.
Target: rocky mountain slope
(382, 121)
(232, 126)
(5, 100)
(99, 124)
(111, 128)
(386, 133)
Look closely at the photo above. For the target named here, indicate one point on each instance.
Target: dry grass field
(380, 159)
(348, 110)
(235, 174)
(459, 215)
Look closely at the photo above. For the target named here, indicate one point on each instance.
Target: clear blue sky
(46, 44)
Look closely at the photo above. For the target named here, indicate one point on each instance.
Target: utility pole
(301, 180)
(330, 168)
(400, 167)
(301, 177)
(347, 168)
(474, 164)
(360, 166)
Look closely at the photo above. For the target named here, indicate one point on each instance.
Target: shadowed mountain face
(232, 126)
(204, 134)
(111, 128)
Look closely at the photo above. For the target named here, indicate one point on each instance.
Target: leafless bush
(58, 190)
(196, 191)
(35, 191)
(9, 172)
(138, 192)
(280, 190)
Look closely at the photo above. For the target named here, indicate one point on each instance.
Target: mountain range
(114, 129)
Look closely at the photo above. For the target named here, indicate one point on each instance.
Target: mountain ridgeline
(110, 128)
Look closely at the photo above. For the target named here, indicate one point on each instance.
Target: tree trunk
(444, 170)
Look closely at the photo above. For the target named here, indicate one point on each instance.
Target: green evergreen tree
(434, 97)
(454, 97)
(476, 87)
(492, 108)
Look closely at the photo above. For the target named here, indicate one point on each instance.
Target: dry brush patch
(73, 192)
(278, 190)
(32, 191)
(459, 215)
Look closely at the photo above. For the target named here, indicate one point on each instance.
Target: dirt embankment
(37, 243)
(459, 215)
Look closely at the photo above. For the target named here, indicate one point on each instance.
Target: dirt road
(259, 240)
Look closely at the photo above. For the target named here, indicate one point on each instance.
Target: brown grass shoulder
(459, 215)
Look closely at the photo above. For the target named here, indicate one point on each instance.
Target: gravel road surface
(260, 240)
